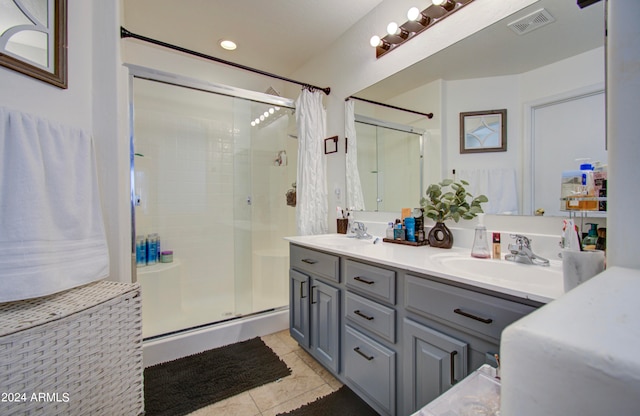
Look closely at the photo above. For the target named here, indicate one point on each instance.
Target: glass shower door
(200, 172)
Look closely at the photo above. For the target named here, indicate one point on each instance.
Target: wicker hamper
(77, 352)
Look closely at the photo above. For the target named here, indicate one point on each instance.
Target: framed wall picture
(33, 39)
(331, 145)
(483, 131)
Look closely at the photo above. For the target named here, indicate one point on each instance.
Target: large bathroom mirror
(33, 39)
(545, 66)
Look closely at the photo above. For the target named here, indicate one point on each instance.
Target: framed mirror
(33, 39)
(520, 72)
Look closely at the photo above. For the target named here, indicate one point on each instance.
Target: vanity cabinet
(314, 312)
(397, 338)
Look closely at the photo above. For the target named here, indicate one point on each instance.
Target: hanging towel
(499, 185)
(52, 234)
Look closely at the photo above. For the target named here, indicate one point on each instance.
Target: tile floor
(307, 382)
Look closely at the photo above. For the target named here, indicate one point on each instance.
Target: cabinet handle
(468, 315)
(360, 279)
(367, 317)
(368, 357)
(312, 301)
(452, 356)
(309, 261)
(302, 296)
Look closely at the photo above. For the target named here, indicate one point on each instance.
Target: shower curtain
(311, 208)
(355, 199)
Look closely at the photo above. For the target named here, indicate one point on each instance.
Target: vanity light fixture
(418, 21)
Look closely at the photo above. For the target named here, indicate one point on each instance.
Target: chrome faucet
(521, 252)
(360, 231)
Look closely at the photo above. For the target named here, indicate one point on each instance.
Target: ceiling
(277, 36)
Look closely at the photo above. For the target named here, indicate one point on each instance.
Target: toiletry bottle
(588, 189)
(410, 226)
(390, 231)
(418, 215)
(141, 251)
(601, 243)
(480, 247)
(152, 252)
(590, 241)
(496, 246)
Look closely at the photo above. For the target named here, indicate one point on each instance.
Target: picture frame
(483, 131)
(35, 42)
(331, 145)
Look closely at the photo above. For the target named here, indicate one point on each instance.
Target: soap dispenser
(590, 241)
(480, 248)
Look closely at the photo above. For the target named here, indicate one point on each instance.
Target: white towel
(498, 184)
(52, 234)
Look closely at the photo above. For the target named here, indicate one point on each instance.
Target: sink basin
(501, 272)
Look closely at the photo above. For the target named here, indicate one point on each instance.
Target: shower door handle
(249, 200)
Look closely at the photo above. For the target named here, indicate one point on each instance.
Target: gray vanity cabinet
(314, 311)
(434, 362)
(397, 338)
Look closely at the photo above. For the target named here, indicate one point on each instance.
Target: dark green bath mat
(343, 402)
(184, 385)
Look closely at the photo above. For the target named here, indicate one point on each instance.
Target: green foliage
(442, 204)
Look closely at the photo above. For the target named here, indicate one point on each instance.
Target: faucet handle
(522, 240)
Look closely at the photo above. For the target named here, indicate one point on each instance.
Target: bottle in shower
(480, 247)
(152, 249)
(141, 251)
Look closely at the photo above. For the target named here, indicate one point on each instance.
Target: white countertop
(509, 278)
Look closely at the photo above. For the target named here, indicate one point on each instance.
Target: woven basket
(77, 352)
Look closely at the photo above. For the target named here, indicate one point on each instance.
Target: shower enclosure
(211, 166)
(390, 163)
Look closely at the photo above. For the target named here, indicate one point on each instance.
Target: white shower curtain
(311, 207)
(355, 199)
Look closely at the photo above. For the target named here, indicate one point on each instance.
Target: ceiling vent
(531, 22)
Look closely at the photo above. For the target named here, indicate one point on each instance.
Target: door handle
(452, 357)
(468, 315)
(360, 279)
(368, 357)
(367, 317)
(312, 301)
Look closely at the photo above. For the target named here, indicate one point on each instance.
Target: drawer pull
(302, 295)
(468, 315)
(309, 261)
(368, 357)
(367, 317)
(360, 279)
(452, 359)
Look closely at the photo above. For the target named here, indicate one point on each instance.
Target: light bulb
(228, 45)
(375, 41)
(261, 118)
(253, 124)
(448, 5)
(413, 14)
(266, 114)
(392, 28)
(277, 108)
(271, 110)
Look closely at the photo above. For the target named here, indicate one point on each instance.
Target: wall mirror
(33, 39)
(527, 68)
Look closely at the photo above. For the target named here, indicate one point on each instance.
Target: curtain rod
(124, 33)
(427, 115)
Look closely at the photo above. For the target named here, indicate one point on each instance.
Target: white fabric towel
(52, 234)
(498, 184)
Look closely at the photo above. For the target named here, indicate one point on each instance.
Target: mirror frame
(59, 75)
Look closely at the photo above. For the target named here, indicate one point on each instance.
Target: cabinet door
(299, 307)
(325, 321)
(433, 362)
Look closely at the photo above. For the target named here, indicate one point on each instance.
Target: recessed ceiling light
(228, 45)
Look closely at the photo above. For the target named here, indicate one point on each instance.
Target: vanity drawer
(476, 311)
(320, 264)
(374, 281)
(377, 318)
(372, 367)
